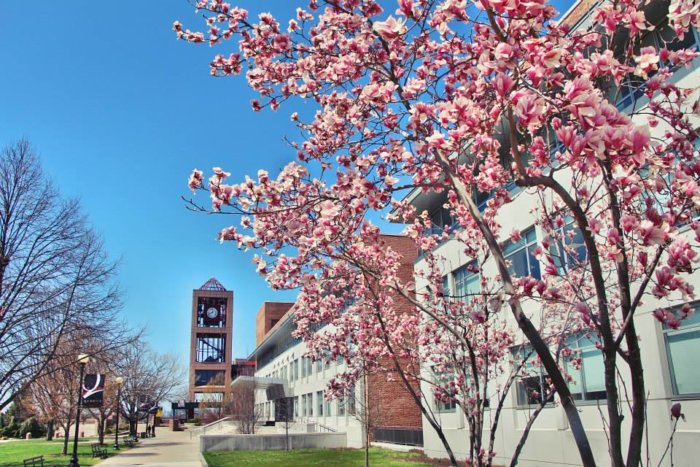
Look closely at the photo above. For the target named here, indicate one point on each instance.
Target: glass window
(449, 406)
(467, 282)
(319, 403)
(589, 372)
(208, 397)
(521, 255)
(440, 219)
(319, 366)
(661, 36)
(531, 387)
(296, 407)
(327, 407)
(341, 407)
(481, 199)
(211, 348)
(351, 402)
(569, 251)
(682, 348)
(442, 380)
(209, 377)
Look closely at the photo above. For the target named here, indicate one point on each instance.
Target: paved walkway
(168, 448)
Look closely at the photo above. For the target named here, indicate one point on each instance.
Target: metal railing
(324, 429)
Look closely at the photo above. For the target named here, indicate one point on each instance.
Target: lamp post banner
(93, 390)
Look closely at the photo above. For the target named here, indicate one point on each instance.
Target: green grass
(306, 457)
(12, 453)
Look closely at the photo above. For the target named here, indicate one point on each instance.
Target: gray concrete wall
(265, 442)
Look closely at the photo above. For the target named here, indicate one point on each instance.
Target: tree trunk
(634, 452)
(66, 435)
(50, 430)
(101, 424)
(525, 325)
(366, 447)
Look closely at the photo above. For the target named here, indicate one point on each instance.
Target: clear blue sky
(120, 112)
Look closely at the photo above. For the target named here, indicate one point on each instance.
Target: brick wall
(269, 314)
(386, 391)
(578, 11)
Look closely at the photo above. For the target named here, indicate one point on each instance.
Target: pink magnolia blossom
(460, 104)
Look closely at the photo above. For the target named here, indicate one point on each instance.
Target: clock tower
(210, 350)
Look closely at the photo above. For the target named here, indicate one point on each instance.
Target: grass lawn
(12, 453)
(304, 457)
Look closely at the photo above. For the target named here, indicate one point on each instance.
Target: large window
(440, 219)
(210, 397)
(467, 282)
(309, 367)
(327, 407)
(211, 377)
(351, 403)
(211, 348)
(531, 386)
(682, 348)
(661, 36)
(319, 403)
(442, 379)
(521, 255)
(569, 251)
(588, 372)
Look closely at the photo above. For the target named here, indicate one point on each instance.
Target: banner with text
(93, 390)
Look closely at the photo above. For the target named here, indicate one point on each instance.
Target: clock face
(212, 313)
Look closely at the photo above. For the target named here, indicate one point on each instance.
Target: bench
(34, 461)
(98, 451)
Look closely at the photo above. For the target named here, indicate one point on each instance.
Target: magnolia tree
(469, 101)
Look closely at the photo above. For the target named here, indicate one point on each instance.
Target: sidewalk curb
(203, 460)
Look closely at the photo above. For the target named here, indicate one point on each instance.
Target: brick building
(281, 362)
(269, 314)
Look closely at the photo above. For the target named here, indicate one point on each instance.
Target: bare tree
(242, 407)
(56, 282)
(149, 378)
(214, 408)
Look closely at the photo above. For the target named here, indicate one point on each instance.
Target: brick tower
(210, 348)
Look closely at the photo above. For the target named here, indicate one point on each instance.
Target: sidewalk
(169, 448)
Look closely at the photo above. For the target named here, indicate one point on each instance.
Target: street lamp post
(119, 380)
(83, 359)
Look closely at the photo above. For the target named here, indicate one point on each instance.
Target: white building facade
(280, 360)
